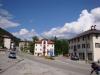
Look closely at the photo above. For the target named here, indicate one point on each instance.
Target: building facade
(24, 45)
(44, 47)
(86, 45)
(7, 42)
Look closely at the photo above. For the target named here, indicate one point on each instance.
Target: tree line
(61, 45)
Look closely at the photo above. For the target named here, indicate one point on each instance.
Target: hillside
(4, 32)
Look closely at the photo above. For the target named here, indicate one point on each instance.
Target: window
(71, 47)
(78, 46)
(97, 45)
(44, 42)
(74, 40)
(74, 47)
(88, 45)
(83, 45)
(88, 37)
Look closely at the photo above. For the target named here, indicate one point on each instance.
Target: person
(98, 68)
(95, 68)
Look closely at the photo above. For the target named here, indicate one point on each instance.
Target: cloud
(25, 34)
(6, 19)
(83, 23)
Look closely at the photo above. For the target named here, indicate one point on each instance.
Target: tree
(32, 44)
(31, 47)
(61, 46)
(1, 42)
(64, 47)
(35, 38)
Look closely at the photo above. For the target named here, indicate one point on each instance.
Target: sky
(48, 18)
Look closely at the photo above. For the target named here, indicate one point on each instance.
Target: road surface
(32, 65)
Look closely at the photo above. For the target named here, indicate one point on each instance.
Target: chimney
(93, 27)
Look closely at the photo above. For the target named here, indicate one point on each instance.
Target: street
(32, 65)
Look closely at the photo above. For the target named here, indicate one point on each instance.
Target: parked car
(74, 58)
(12, 54)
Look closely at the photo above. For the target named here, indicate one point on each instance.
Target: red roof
(40, 41)
(50, 42)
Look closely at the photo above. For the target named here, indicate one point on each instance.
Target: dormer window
(44, 42)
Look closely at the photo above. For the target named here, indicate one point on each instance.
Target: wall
(51, 48)
(7, 42)
(38, 49)
(96, 51)
(85, 50)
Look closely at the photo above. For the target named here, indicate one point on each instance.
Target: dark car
(12, 54)
(74, 58)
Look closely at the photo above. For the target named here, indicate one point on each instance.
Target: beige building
(86, 45)
(23, 45)
(6, 42)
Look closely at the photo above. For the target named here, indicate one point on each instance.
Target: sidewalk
(6, 62)
(67, 60)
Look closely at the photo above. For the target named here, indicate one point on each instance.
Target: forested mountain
(4, 32)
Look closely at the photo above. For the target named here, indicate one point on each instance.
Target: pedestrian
(94, 67)
(98, 68)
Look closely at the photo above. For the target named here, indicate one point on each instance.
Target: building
(7, 41)
(86, 45)
(44, 47)
(24, 45)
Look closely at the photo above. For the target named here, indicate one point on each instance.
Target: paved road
(77, 70)
(32, 65)
(6, 63)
